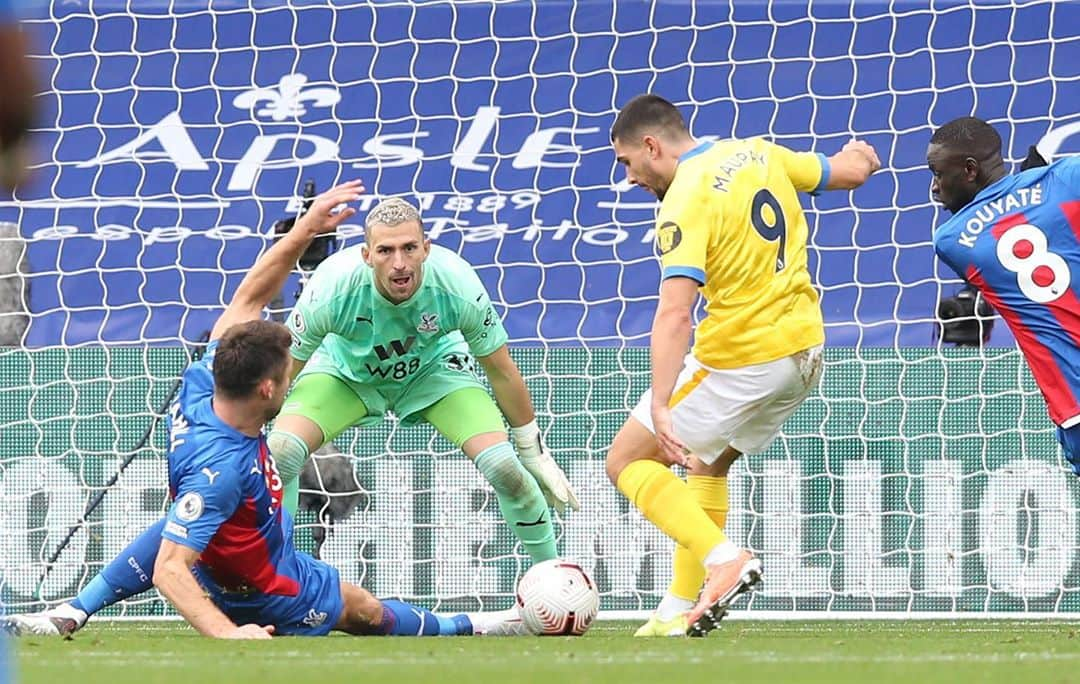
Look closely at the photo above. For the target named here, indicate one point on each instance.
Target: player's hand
(865, 149)
(251, 631)
(547, 473)
(672, 449)
(321, 217)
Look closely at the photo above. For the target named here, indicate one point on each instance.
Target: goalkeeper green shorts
(447, 394)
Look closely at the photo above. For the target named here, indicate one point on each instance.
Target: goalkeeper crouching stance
(393, 324)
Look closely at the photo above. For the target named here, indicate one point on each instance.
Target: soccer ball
(557, 598)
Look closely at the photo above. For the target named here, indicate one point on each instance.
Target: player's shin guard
(405, 619)
(520, 500)
(130, 573)
(289, 452)
(689, 574)
(668, 503)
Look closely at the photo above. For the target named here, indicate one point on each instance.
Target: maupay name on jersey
(725, 172)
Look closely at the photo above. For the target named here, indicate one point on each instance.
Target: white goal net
(920, 478)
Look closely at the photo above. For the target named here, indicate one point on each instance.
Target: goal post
(920, 479)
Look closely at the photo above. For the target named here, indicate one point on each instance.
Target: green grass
(744, 651)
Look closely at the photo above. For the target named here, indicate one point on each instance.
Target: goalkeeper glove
(538, 461)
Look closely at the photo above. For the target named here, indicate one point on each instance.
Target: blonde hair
(392, 211)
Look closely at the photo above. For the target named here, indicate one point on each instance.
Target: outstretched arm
(852, 165)
(172, 576)
(269, 273)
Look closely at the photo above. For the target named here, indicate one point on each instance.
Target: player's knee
(515, 484)
(289, 452)
(633, 442)
(362, 613)
(512, 480)
(504, 472)
(614, 463)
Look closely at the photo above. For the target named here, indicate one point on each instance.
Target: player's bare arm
(852, 165)
(671, 331)
(173, 578)
(515, 402)
(268, 275)
(508, 386)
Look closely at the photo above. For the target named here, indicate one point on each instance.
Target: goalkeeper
(422, 308)
(394, 324)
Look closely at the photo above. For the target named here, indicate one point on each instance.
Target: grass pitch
(742, 652)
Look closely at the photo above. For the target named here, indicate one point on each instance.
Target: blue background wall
(808, 77)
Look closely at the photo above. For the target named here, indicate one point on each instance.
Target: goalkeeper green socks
(520, 500)
(289, 453)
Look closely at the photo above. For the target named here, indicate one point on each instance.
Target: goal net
(921, 478)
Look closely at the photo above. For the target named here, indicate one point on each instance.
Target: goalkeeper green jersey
(373, 341)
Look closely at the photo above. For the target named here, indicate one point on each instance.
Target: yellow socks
(689, 574)
(668, 503)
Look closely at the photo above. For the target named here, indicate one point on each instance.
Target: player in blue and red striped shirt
(227, 560)
(1016, 238)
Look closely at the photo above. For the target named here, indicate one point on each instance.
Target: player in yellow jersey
(730, 227)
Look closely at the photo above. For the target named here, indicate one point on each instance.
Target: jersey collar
(700, 148)
(988, 190)
(221, 424)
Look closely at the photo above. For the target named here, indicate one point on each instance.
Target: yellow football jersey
(731, 220)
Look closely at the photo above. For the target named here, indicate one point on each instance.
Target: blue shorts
(1070, 442)
(312, 612)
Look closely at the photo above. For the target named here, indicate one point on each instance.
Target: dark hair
(970, 137)
(647, 113)
(249, 353)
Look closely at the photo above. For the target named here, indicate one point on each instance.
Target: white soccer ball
(557, 598)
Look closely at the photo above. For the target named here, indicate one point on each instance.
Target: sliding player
(226, 559)
(392, 325)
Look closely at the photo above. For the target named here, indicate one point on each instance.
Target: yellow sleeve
(682, 232)
(808, 171)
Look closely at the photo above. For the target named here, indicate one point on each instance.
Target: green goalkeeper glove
(547, 473)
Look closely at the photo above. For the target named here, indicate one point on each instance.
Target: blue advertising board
(174, 135)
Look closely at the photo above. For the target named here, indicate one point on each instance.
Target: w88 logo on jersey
(1042, 276)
